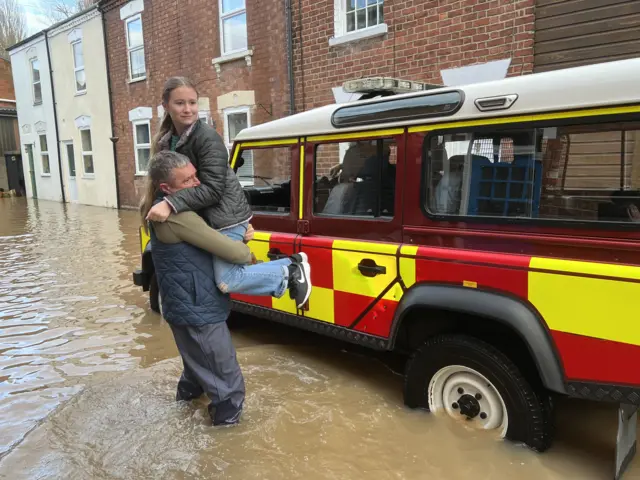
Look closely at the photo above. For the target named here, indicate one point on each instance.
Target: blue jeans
(264, 279)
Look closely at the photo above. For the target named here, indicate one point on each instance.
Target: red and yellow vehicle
(490, 231)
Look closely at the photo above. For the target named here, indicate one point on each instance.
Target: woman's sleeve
(191, 228)
(213, 164)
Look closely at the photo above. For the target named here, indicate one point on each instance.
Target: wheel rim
(464, 393)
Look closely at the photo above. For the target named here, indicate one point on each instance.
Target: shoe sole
(306, 273)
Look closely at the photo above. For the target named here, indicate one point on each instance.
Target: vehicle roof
(603, 84)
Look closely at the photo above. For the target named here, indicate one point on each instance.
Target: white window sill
(45, 174)
(246, 54)
(370, 32)
(35, 104)
(89, 176)
(136, 80)
(79, 94)
(141, 174)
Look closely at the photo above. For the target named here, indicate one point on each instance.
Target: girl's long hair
(167, 124)
(159, 171)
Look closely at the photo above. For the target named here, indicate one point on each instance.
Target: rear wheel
(154, 295)
(466, 378)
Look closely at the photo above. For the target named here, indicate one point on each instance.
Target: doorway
(15, 174)
(32, 169)
(72, 186)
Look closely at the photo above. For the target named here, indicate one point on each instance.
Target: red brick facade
(6, 84)
(423, 38)
(184, 42)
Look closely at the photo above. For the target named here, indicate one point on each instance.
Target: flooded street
(88, 375)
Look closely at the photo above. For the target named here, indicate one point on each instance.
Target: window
(268, 187)
(142, 140)
(572, 173)
(236, 119)
(78, 66)
(355, 178)
(35, 79)
(135, 48)
(71, 158)
(87, 152)
(44, 155)
(361, 14)
(233, 26)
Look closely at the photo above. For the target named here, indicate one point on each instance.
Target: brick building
(408, 39)
(234, 56)
(11, 176)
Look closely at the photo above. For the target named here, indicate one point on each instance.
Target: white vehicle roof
(600, 85)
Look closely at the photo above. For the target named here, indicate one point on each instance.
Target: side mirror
(239, 163)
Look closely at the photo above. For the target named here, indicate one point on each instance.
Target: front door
(15, 174)
(32, 170)
(352, 206)
(72, 186)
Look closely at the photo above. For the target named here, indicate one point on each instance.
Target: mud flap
(626, 441)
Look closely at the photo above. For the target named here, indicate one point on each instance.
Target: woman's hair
(159, 171)
(167, 124)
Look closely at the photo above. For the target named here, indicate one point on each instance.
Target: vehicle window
(575, 172)
(355, 178)
(265, 175)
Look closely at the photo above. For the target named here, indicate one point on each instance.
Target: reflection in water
(88, 373)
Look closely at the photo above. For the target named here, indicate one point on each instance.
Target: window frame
(517, 221)
(293, 149)
(33, 81)
(84, 153)
(225, 16)
(127, 21)
(228, 142)
(379, 219)
(77, 69)
(44, 153)
(137, 145)
(345, 11)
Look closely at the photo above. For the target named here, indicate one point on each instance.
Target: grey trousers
(211, 367)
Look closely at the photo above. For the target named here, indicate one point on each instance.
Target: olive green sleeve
(191, 228)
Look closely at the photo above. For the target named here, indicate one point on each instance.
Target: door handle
(369, 268)
(276, 254)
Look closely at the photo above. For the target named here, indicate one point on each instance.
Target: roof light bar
(375, 84)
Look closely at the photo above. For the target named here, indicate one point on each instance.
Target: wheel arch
(511, 313)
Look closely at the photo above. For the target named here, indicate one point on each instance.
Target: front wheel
(466, 378)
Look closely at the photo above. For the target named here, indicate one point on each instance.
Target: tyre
(464, 377)
(154, 295)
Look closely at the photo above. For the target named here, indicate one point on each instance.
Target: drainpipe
(292, 93)
(106, 58)
(55, 113)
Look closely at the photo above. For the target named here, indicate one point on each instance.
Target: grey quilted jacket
(219, 199)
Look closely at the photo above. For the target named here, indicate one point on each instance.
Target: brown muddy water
(88, 374)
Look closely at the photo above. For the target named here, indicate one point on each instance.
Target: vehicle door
(352, 228)
(269, 174)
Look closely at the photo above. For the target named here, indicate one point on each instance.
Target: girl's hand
(249, 234)
(159, 212)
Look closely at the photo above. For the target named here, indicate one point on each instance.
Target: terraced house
(236, 58)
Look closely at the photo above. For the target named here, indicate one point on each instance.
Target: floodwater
(88, 374)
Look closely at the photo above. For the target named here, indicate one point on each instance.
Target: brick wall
(183, 43)
(424, 37)
(6, 84)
